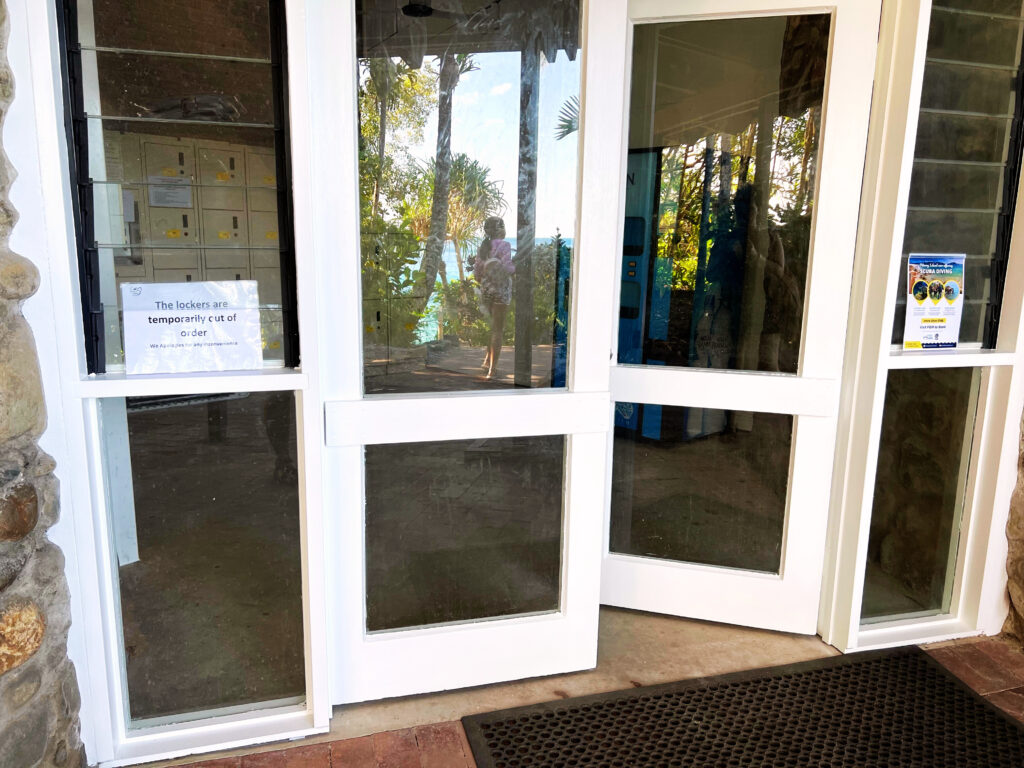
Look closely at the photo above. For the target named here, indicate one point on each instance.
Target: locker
(174, 258)
(226, 258)
(269, 285)
(375, 321)
(129, 262)
(225, 228)
(175, 275)
(172, 226)
(172, 160)
(263, 235)
(261, 176)
(239, 273)
(222, 178)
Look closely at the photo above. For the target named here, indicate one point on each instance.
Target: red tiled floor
(224, 762)
(313, 756)
(396, 749)
(978, 668)
(353, 753)
(1011, 702)
(442, 746)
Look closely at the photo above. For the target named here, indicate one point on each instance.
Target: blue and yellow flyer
(935, 300)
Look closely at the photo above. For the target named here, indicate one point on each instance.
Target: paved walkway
(993, 667)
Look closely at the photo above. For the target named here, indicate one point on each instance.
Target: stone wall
(39, 697)
(1015, 560)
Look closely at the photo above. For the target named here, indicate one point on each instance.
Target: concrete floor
(634, 649)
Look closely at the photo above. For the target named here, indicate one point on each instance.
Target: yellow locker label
(223, 176)
(269, 180)
(173, 234)
(224, 235)
(169, 172)
(369, 329)
(271, 235)
(912, 345)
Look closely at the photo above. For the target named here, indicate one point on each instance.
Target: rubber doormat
(889, 708)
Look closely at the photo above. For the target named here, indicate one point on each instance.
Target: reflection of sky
(485, 126)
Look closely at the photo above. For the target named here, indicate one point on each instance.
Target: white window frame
(37, 143)
(978, 598)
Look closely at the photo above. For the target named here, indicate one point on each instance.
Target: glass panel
(468, 119)
(204, 507)
(183, 150)
(464, 530)
(238, 28)
(923, 459)
(965, 155)
(725, 118)
(700, 485)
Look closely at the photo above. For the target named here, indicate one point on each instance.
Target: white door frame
(978, 601)
(35, 140)
(787, 601)
(371, 666)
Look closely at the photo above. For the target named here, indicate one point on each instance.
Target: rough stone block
(19, 511)
(22, 627)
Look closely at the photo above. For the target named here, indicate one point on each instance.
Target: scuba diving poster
(935, 300)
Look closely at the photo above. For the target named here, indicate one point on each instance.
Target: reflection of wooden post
(758, 241)
(526, 233)
(704, 232)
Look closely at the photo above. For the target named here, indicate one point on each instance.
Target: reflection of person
(493, 269)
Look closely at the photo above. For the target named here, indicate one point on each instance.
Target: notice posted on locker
(191, 327)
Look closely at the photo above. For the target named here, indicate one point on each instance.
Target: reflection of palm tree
(472, 197)
(385, 75)
(568, 118)
(452, 67)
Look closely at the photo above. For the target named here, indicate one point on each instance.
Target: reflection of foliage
(682, 197)
(389, 276)
(394, 101)
(568, 118)
(472, 197)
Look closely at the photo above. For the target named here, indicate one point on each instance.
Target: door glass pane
(468, 117)
(185, 116)
(462, 530)
(724, 126)
(700, 485)
(923, 459)
(967, 158)
(204, 512)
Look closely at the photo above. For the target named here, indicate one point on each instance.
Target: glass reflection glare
(468, 142)
(725, 118)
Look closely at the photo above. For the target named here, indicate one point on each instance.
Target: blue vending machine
(643, 275)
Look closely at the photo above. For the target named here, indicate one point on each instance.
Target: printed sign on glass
(186, 327)
(935, 300)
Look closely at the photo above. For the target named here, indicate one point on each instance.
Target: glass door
(746, 138)
(460, 433)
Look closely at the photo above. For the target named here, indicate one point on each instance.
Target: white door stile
(787, 601)
(900, 72)
(604, 112)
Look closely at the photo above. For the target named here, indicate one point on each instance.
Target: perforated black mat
(887, 708)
